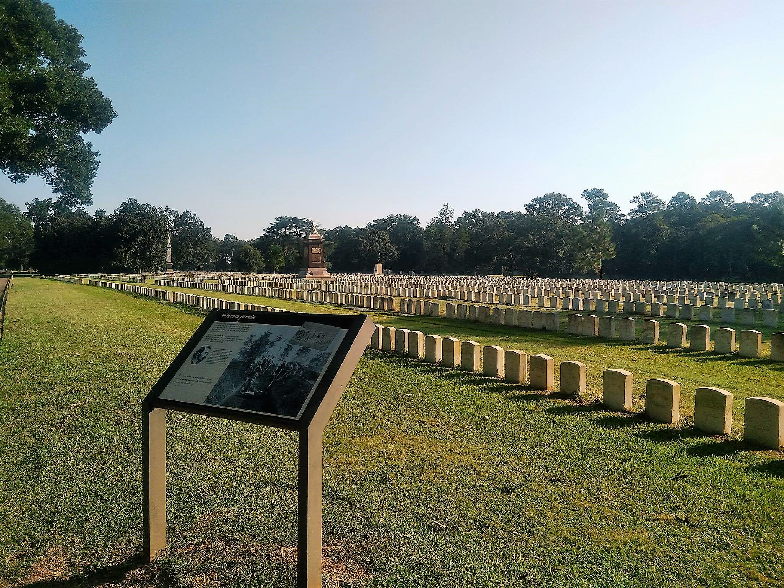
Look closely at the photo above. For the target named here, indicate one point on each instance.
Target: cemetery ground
(432, 477)
(744, 377)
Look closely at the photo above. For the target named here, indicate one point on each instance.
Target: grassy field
(433, 477)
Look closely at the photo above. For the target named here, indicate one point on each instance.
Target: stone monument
(315, 266)
(169, 264)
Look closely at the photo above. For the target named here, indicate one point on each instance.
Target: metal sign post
(284, 370)
(309, 509)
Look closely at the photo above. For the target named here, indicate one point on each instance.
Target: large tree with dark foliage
(16, 237)
(282, 243)
(596, 232)
(406, 242)
(67, 241)
(140, 234)
(440, 242)
(193, 247)
(551, 248)
(47, 104)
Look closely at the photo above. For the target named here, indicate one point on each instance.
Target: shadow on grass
(468, 378)
(489, 383)
(712, 357)
(531, 396)
(670, 434)
(717, 448)
(679, 351)
(574, 408)
(502, 387)
(620, 420)
(772, 468)
(101, 576)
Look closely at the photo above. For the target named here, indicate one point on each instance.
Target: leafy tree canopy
(557, 207)
(288, 228)
(768, 199)
(141, 233)
(407, 240)
(717, 200)
(193, 247)
(16, 236)
(682, 201)
(46, 102)
(600, 208)
(647, 203)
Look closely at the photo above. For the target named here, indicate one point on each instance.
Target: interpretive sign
(263, 368)
(280, 369)
(268, 367)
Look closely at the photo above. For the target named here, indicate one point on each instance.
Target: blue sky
(346, 111)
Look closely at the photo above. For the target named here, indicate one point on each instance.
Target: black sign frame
(352, 323)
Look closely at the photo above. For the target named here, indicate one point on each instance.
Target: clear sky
(345, 111)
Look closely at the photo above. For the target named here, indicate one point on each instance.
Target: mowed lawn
(432, 477)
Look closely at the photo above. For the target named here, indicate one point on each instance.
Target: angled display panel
(269, 367)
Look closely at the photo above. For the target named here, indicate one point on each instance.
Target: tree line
(712, 238)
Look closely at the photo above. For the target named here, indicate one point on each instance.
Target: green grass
(432, 477)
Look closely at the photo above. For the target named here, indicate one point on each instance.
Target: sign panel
(274, 365)
(273, 369)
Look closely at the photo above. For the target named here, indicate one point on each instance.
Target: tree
(596, 233)
(275, 257)
(679, 254)
(226, 251)
(551, 245)
(647, 203)
(141, 232)
(768, 199)
(407, 239)
(439, 241)
(481, 242)
(375, 247)
(343, 249)
(46, 102)
(100, 242)
(596, 245)
(287, 232)
(682, 202)
(600, 206)
(717, 201)
(65, 241)
(16, 237)
(193, 247)
(247, 259)
(639, 240)
(520, 226)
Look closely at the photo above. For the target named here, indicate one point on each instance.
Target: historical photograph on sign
(271, 369)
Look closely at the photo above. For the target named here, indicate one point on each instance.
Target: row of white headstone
(480, 288)
(744, 304)
(677, 335)
(764, 417)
